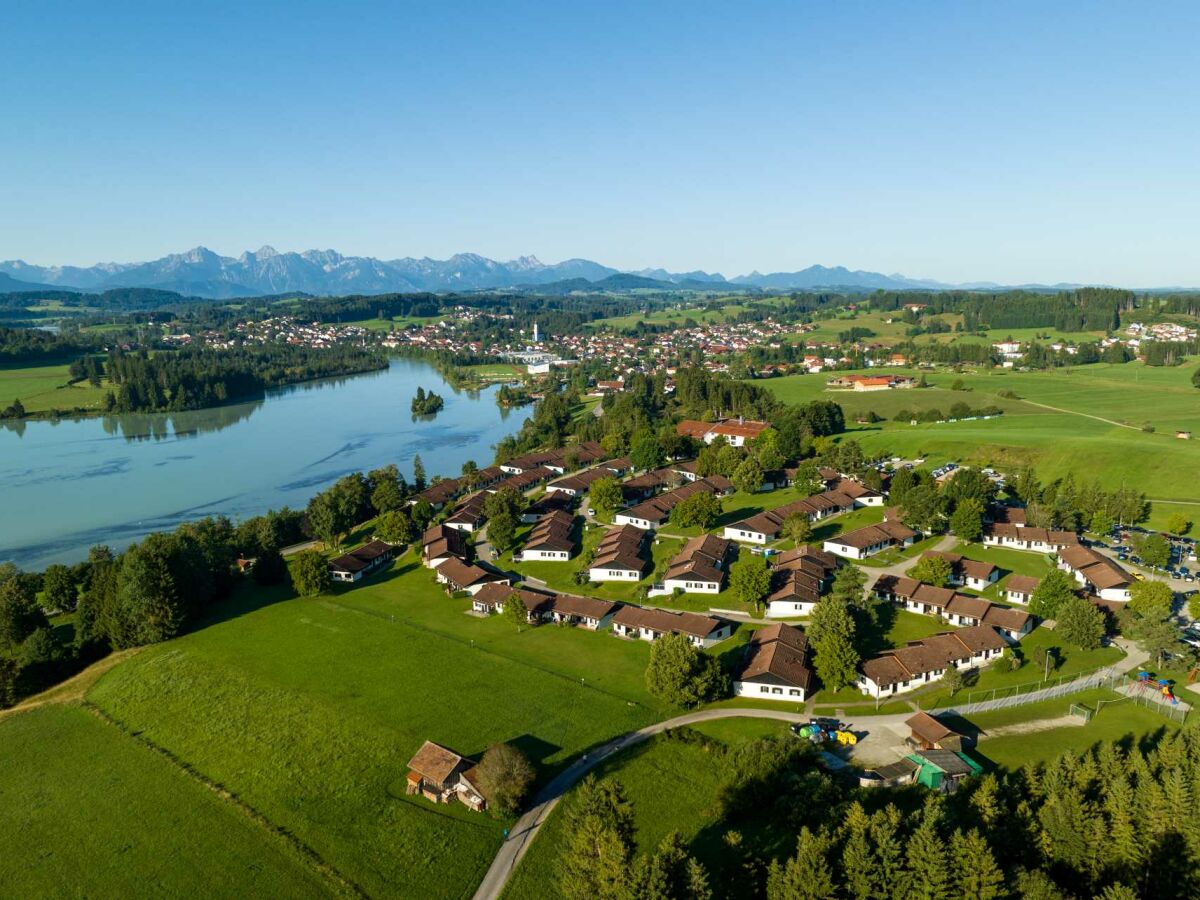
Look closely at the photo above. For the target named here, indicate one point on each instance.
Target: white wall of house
(464, 527)
(746, 537)
(692, 587)
(545, 555)
(644, 524)
(832, 546)
(1017, 597)
(768, 691)
(342, 575)
(789, 609)
(613, 575)
(1116, 593)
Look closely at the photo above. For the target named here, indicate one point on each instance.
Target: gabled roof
(435, 762)
(1022, 584)
(926, 728)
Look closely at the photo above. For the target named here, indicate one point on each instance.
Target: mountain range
(203, 273)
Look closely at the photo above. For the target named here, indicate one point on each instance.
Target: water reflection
(112, 479)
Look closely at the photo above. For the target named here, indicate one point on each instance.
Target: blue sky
(959, 141)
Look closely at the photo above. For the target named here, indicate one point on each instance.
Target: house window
(764, 689)
(776, 690)
(794, 692)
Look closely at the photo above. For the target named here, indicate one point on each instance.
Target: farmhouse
(921, 662)
(1105, 578)
(460, 576)
(767, 526)
(650, 624)
(798, 579)
(871, 382)
(1024, 537)
(361, 562)
(653, 512)
(619, 555)
(776, 666)
(968, 572)
(699, 568)
(735, 431)
(864, 542)
(1020, 588)
(441, 775)
(550, 539)
(440, 543)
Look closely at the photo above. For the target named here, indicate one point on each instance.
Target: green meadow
(88, 812)
(674, 785)
(1086, 420)
(308, 710)
(43, 388)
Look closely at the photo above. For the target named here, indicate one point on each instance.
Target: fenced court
(1034, 691)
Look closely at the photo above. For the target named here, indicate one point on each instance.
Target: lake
(70, 484)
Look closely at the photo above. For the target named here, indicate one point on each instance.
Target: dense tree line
(34, 345)
(1117, 822)
(151, 592)
(193, 378)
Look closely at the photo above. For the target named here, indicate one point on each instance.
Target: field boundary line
(309, 855)
(1072, 412)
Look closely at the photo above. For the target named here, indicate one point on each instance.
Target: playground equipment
(1162, 685)
(825, 731)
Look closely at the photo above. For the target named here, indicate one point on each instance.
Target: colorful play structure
(825, 731)
(1147, 684)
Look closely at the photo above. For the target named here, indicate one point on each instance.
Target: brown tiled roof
(928, 729)
(779, 660)
(496, 594)
(782, 632)
(1006, 617)
(463, 575)
(588, 607)
(1022, 584)
(435, 763)
(667, 621)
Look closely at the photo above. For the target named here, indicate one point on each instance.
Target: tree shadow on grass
(873, 629)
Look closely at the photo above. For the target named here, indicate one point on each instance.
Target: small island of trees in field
(427, 404)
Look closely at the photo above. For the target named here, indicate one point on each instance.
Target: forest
(194, 378)
(1117, 822)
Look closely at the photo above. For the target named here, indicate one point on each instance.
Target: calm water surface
(67, 485)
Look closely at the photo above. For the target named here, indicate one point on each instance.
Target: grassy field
(43, 388)
(670, 316)
(90, 813)
(1116, 721)
(308, 710)
(1092, 430)
(674, 785)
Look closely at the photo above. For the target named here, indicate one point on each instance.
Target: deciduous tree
(505, 776)
(310, 573)
(750, 579)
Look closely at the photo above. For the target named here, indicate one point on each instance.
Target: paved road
(526, 827)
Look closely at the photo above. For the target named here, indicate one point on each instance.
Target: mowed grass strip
(309, 710)
(89, 813)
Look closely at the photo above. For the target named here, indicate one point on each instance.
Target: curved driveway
(526, 827)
